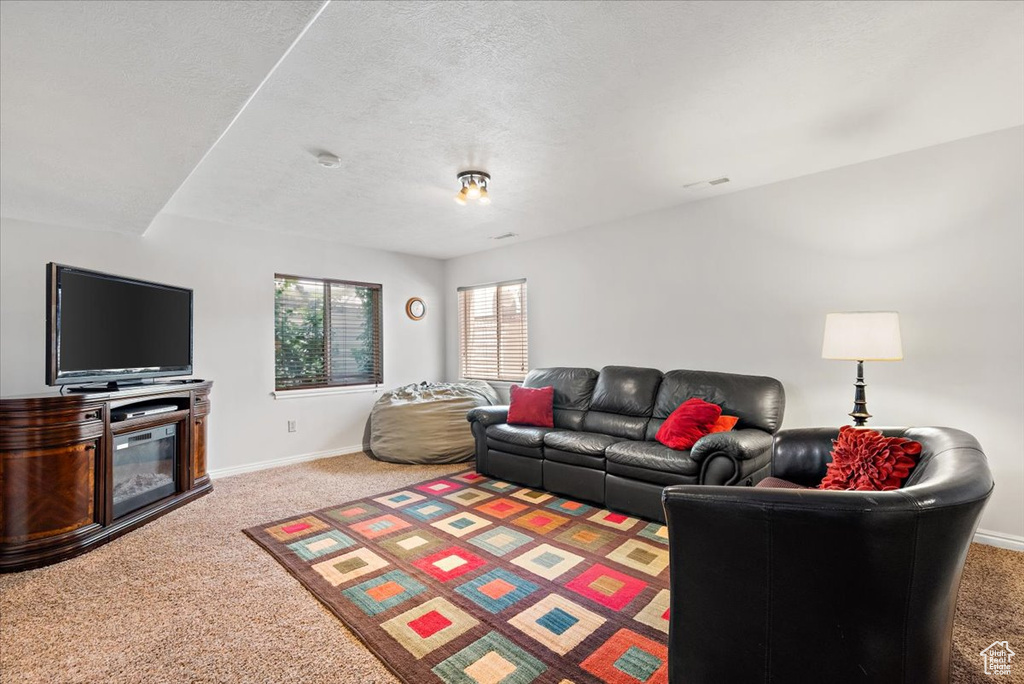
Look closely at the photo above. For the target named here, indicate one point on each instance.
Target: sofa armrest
(739, 445)
(488, 415)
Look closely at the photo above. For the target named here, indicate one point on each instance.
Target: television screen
(105, 327)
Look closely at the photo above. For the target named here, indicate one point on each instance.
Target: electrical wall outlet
(291, 426)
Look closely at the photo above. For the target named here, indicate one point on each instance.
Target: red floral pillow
(688, 423)
(866, 460)
(529, 406)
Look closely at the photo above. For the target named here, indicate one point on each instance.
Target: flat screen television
(107, 328)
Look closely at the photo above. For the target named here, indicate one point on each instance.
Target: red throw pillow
(688, 423)
(531, 406)
(724, 424)
(866, 460)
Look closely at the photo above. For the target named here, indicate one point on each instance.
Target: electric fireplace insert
(144, 467)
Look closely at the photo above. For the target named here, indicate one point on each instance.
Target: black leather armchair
(802, 585)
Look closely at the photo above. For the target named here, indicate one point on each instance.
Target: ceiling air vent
(706, 183)
(505, 236)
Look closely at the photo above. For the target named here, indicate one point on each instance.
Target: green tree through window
(327, 333)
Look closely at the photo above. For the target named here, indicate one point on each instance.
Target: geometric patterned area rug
(471, 580)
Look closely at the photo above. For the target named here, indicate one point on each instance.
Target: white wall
(232, 274)
(743, 282)
(737, 283)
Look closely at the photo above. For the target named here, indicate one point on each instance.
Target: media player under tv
(127, 412)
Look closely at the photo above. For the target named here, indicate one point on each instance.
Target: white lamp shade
(863, 336)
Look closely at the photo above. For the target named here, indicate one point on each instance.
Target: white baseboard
(287, 460)
(1000, 539)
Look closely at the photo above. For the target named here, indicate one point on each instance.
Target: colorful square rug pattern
(470, 580)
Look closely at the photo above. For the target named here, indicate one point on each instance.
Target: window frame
(463, 329)
(326, 387)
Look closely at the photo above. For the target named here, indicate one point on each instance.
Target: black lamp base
(860, 413)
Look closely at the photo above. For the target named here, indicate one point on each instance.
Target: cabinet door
(199, 448)
(47, 491)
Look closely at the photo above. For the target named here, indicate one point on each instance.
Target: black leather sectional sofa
(602, 447)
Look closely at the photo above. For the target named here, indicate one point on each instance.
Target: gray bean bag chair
(427, 423)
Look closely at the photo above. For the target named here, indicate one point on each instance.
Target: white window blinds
(327, 333)
(492, 331)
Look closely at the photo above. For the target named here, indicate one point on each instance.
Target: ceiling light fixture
(474, 187)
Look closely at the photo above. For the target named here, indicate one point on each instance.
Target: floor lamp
(862, 336)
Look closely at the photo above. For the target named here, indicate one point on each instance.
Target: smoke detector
(328, 160)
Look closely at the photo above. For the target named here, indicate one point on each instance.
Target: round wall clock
(415, 308)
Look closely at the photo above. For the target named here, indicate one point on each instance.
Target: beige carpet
(189, 598)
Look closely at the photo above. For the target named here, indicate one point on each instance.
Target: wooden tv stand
(56, 467)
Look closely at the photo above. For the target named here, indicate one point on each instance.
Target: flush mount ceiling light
(474, 187)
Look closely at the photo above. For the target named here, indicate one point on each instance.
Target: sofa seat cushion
(647, 476)
(574, 458)
(777, 483)
(520, 435)
(589, 443)
(651, 456)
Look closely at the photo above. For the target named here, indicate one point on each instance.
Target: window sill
(325, 391)
(506, 383)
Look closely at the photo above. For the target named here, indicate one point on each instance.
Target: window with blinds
(327, 333)
(492, 331)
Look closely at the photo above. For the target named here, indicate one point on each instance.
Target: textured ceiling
(106, 107)
(582, 112)
(586, 112)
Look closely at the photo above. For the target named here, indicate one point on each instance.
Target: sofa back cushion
(623, 401)
(573, 390)
(757, 401)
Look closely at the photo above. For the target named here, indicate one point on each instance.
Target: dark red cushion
(688, 423)
(777, 483)
(866, 460)
(529, 406)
